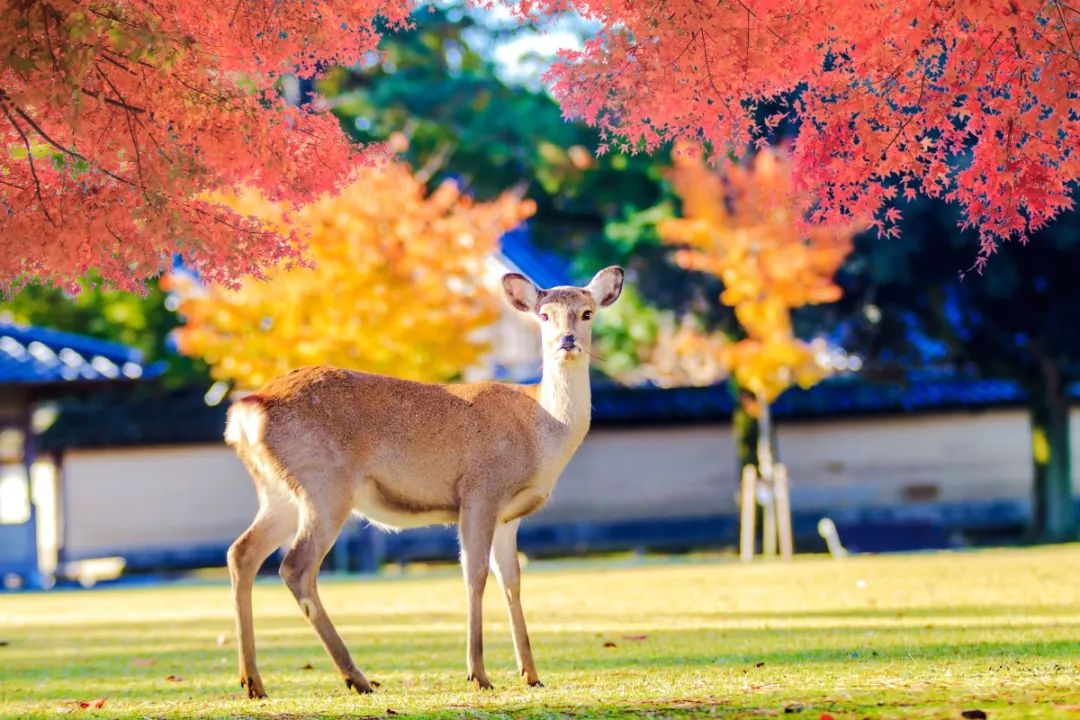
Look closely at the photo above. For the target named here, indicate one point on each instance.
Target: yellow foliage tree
(744, 228)
(396, 285)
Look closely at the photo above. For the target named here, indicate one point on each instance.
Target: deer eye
(544, 317)
(587, 315)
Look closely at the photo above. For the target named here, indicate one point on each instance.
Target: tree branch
(693, 37)
(67, 151)
(131, 128)
(105, 56)
(1065, 27)
(29, 155)
(907, 121)
(708, 65)
(111, 101)
(752, 14)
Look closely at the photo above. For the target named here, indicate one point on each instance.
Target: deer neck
(566, 396)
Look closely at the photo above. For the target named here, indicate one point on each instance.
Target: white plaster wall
(146, 498)
(870, 461)
(647, 472)
(157, 497)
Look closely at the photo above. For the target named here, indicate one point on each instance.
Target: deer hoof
(536, 684)
(255, 689)
(481, 682)
(359, 684)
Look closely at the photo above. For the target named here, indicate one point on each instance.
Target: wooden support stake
(768, 520)
(748, 511)
(783, 511)
(766, 491)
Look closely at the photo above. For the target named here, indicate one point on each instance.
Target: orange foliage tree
(745, 228)
(397, 285)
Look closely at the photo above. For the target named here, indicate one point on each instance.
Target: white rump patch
(246, 424)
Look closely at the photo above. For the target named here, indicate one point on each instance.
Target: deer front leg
(476, 526)
(504, 560)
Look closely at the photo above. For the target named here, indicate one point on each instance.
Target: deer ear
(520, 291)
(606, 285)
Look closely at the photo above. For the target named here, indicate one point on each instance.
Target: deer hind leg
(273, 525)
(320, 523)
(504, 561)
(476, 527)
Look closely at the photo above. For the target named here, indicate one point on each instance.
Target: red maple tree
(974, 101)
(117, 117)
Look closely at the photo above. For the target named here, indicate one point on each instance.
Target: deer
(322, 443)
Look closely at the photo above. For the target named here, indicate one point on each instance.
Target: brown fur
(351, 421)
(322, 442)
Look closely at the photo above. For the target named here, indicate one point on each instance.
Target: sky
(523, 53)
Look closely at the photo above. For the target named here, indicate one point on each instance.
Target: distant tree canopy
(909, 307)
(439, 87)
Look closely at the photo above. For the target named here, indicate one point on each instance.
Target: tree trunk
(1053, 506)
(745, 428)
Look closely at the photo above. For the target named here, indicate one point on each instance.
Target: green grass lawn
(897, 637)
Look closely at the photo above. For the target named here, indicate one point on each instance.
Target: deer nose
(568, 341)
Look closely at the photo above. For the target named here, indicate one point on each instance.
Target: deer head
(565, 313)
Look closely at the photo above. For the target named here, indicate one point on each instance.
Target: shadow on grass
(344, 618)
(110, 656)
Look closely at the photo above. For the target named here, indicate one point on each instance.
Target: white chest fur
(566, 401)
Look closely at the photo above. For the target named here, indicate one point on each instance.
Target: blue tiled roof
(183, 417)
(859, 396)
(544, 268)
(832, 398)
(39, 356)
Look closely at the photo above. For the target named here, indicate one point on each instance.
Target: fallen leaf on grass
(1068, 708)
(87, 704)
(391, 711)
(143, 662)
(609, 644)
(793, 708)
(173, 678)
(307, 666)
(760, 664)
(973, 714)
(4, 643)
(634, 637)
